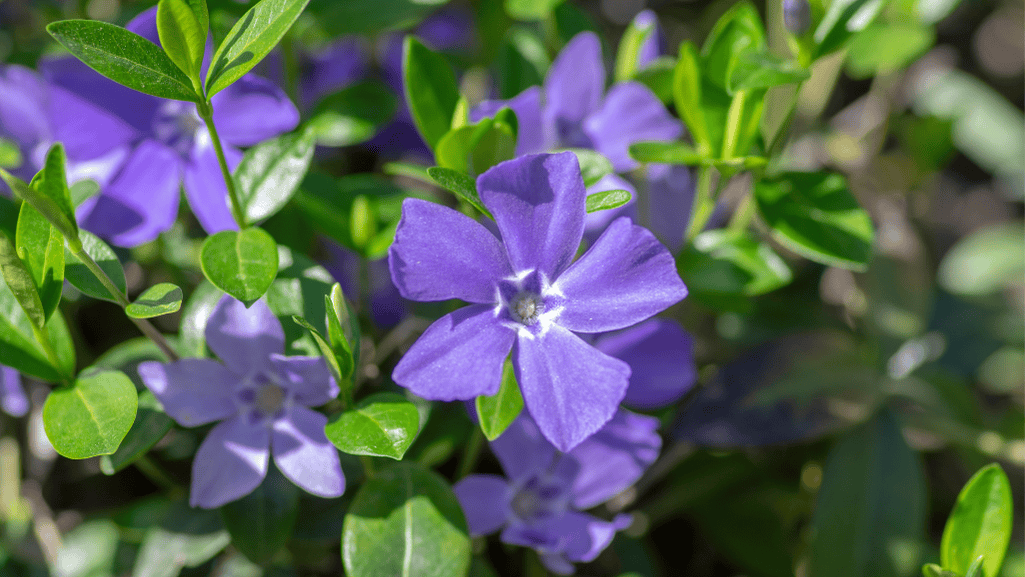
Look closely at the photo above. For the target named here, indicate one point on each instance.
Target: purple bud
(796, 16)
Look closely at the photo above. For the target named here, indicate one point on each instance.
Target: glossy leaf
(340, 366)
(724, 269)
(250, 40)
(241, 263)
(151, 424)
(354, 114)
(382, 425)
(460, 184)
(498, 411)
(182, 36)
(980, 524)
(161, 299)
(842, 19)
(342, 326)
(607, 199)
(48, 193)
(593, 165)
(18, 280)
(91, 416)
(815, 215)
(124, 57)
(271, 172)
(262, 522)
(83, 279)
(431, 90)
(21, 351)
(41, 247)
(405, 521)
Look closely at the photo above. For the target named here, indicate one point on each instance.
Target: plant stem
(206, 112)
(744, 213)
(154, 473)
(472, 453)
(704, 204)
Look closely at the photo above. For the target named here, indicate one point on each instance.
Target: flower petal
(575, 82)
(538, 204)
(624, 278)
(193, 391)
(671, 194)
(522, 449)
(661, 359)
(585, 536)
(204, 185)
(612, 459)
(252, 110)
(630, 113)
(23, 111)
(654, 43)
(440, 254)
(230, 463)
(86, 130)
(459, 357)
(244, 339)
(308, 378)
(533, 136)
(13, 400)
(570, 388)
(303, 453)
(484, 502)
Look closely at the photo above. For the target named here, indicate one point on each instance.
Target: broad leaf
(91, 416)
(607, 199)
(18, 280)
(880, 49)
(431, 90)
(41, 247)
(354, 114)
(151, 424)
(842, 19)
(182, 36)
(249, 40)
(242, 263)
(405, 521)
(262, 522)
(83, 279)
(460, 184)
(124, 57)
(724, 269)
(980, 524)
(271, 172)
(382, 425)
(498, 411)
(19, 348)
(161, 299)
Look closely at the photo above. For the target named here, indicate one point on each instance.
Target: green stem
(472, 453)
(154, 473)
(368, 465)
(743, 215)
(206, 112)
(704, 204)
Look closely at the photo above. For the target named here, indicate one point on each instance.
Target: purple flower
(538, 504)
(12, 395)
(661, 359)
(528, 296)
(171, 147)
(261, 397)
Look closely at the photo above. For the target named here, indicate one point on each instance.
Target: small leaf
(249, 40)
(162, 299)
(83, 190)
(41, 247)
(241, 263)
(815, 215)
(687, 94)
(182, 37)
(10, 154)
(629, 51)
(724, 269)
(842, 19)
(460, 184)
(381, 425)
(342, 325)
(354, 114)
(884, 48)
(19, 281)
(530, 9)
(431, 90)
(91, 416)
(759, 70)
(593, 165)
(124, 57)
(19, 348)
(151, 424)
(666, 153)
(271, 172)
(934, 570)
(739, 31)
(499, 411)
(262, 522)
(340, 373)
(83, 279)
(607, 199)
(48, 193)
(405, 521)
(980, 524)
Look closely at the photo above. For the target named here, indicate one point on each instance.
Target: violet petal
(574, 85)
(661, 359)
(303, 453)
(252, 110)
(630, 113)
(482, 498)
(230, 463)
(244, 339)
(612, 459)
(193, 391)
(308, 378)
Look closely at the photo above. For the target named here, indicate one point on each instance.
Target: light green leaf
(41, 247)
(262, 522)
(593, 165)
(607, 199)
(270, 173)
(499, 411)
(342, 326)
(980, 524)
(934, 570)
(724, 269)
(381, 425)
(431, 90)
(83, 279)
(88, 550)
(249, 40)
(18, 280)
(354, 114)
(241, 263)
(91, 416)
(48, 193)
(842, 19)
(666, 153)
(687, 94)
(883, 48)
(758, 70)
(530, 9)
(629, 50)
(737, 33)
(161, 299)
(83, 190)
(340, 372)
(460, 184)
(182, 37)
(985, 261)
(10, 154)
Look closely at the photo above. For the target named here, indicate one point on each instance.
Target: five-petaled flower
(528, 296)
(261, 397)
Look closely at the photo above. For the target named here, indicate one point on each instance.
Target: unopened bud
(796, 16)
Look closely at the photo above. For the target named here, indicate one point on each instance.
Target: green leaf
(182, 37)
(21, 351)
(185, 537)
(607, 199)
(262, 522)
(975, 569)
(249, 40)
(405, 521)
(270, 173)
(151, 424)
(814, 214)
(530, 10)
(870, 513)
(724, 269)
(91, 416)
(83, 279)
(48, 193)
(460, 184)
(476, 147)
(629, 50)
(10, 154)
(934, 570)
(340, 18)
(342, 326)
(593, 165)
(340, 367)
(687, 95)
(980, 524)
(985, 261)
(88, 550)
(354, 114)
(759, 70)
(658, 76)
(124, 57)
(522, 62)
(880, 49)
(41, 247)
(666, 153)
(499, 411)
(242, 263)
(381, 425)
(842, 19)
(431, 90)
(737, 33)
(360, 211)
(19, 281)
(83, 190)
(162, 299)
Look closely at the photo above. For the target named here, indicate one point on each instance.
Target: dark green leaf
(354, 114)
(530, 9)
(83, 279)
(182, 37)
(431, 90)
(522, 62)
(151, 424)
(162, 299)
(262, 522)
(300, 290)
(21, 351)
(91, 416)
(724, 269)
(880, 49)
(241, 263)
(124, 57)
(814, 214)
(41, 247)
(498, 411)
(381, 425)
(607, 199)
(19, 281)
(405, 521)
(593, 165)
(460, 184)
(340, 18)
(250, 39)
(870, 512)
(666, 153)
(271, 172)
(842, 19)
(980, 524)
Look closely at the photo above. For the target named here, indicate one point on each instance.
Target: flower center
(539, 497)
(270, 398)
(526, 307)
(176, 124)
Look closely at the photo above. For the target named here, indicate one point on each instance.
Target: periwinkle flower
(262, 399)
(661, 358)
(13, 400)
(538, 503)
(527, 295)
(797, 16)
(171, 147)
